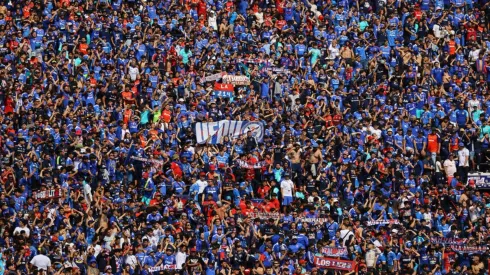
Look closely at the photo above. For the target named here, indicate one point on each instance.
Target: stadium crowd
(369, 116)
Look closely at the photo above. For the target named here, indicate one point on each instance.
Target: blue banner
(479, 180)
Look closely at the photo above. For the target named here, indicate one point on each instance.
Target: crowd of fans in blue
(374, 114)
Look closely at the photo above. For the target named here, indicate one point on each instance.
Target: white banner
(314, 220)
(213, 77)
(264, 215)
(383, 222)
(213, 132)
(236, 79)
(162, 267)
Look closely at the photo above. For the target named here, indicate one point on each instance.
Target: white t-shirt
(212, 22)
(450, 167)
(437, 31)
(334, 52)
(131, 260)
(41, 261)
(180, 259)
(259, 16)
(371, 257)
(463, 157)
(133, 72)
(345, 234)
(474, 103)
(19, 229)
(202, 184)
(287, 187)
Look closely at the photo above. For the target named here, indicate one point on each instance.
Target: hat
(193, 249)
(461, 144)
(181, 100)
(212, 167)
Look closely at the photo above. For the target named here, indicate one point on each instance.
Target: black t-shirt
(268, 229)
(278, 154)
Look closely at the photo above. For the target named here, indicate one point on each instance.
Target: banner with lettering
(155, 161)
(213, 132)
(48, 194)
(236, 79)
(264, 215)
(469, 249)
(223, 90)
(314, 220)
(448, 241)
(329, 263)
(253, 60)
(479, 180)
(332, 251)
(245, 165)
(276, 70)
(213, 77)
(162, 267)
(383, 222)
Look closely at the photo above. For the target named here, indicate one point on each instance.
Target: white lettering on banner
(383, 222)
(333, 263)
(334, 251)
(314, 220)
(461, 249)
(213, 132)
(246, 165)
(236, 79)
(450, 241)
(264, 215)
(48, 194)
(162, 267)
(155, 161)
(213, 77)
(479, 180)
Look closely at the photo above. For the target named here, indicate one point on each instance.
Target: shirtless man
(294, 155)
(476, 265)
(315, 159)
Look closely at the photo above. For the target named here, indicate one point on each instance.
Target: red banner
(334, 264)
(223, 87)
(48, 194)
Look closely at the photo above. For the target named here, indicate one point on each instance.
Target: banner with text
(245, 165)
(479, 180)
(162, 267)
(332, 251)
(213, 77)
(223, 90)
(334, 264)
(264, 215)
(154, 161)
(448, 241)
(314, 220)
(236, 79)
(383, 222)
(469, 249)
(213, 132)
(48, 194)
